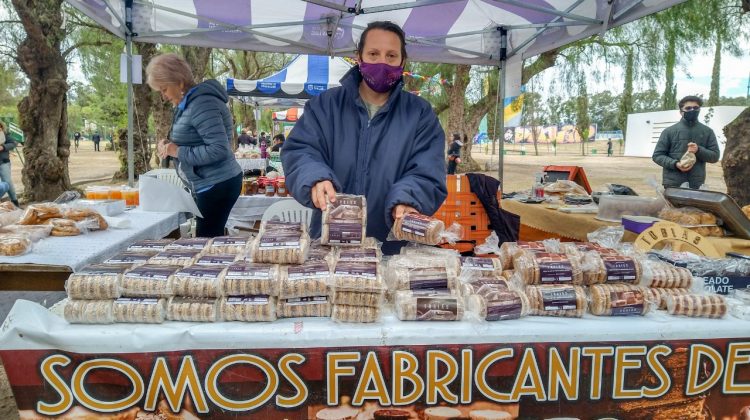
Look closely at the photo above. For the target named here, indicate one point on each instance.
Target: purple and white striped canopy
(445, 31)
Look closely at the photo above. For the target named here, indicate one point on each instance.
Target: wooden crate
(463, 207)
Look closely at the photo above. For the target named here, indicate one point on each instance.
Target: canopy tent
(488, 32)
(303, 78)
(290, 115)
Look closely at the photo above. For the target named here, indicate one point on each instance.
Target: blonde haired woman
(6, 145)
(200, 140)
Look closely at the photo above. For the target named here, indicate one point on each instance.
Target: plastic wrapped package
(94, 220)
(619, 300)
(565, 186)
(688, 216)
(714, 231)
(344, 221)
(280, 226)
(491, 245)
(357, 276)
(355, 298)
(355, 314)
(96, 281)
(428, 305)
(198, 244)
(500, 307)
(309, 279)
(424, 229)
(318, 252)
(140, 310)
(743, 295)
(33, 232)
(694, 305)
(149, 281)
(473, 267)
(13, 245)
(280, 247)
(547, 268)
(658, 295)
(607, 236)
(228, 245)
(66, 227)
(508, 251)
(249, 279)
(153, 246)
(189, 309)
(662, 275)
(311, 306)
(613, 207)
(487, 288)
(134, 258)
(89, 311)
(599, 269)
(217, 259)
(9, 216)
(407, 272)
(259, 308)
(371, 255)
(37, 214)
(184, 257)
(557, 300)
(739, 309)
(199, 281)
(577, 249)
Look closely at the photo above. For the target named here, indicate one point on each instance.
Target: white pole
(129, 53)
(501, 93)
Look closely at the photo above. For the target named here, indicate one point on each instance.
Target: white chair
(288, 211)
(164, 174)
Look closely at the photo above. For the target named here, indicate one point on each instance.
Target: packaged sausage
(428, 305)
(280, 247)
(88, 311)
(355, 314)
(424, 229)
(149, 281)
(344, 221)
(192, 309)
(133, 258)
(140, 310)
(248, 308)
(199, 281)
(154, 246)
(614, 268)
(695, 305)
(96, 281)
(309, 279)
(500, 306)
(249, 279)
(197, 244)
(547, 268)
(618, 300)
(557, 300)
(311, 306)
(183, 257)
(228, 245)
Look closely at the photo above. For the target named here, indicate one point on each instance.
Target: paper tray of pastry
(720, 204)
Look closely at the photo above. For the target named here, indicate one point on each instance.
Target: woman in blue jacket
(200, 140)
(369, 137)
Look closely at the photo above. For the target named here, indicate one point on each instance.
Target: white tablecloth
(78, 251)
(250, 208)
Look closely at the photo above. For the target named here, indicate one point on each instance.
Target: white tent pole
(501, 93)
(129, 71)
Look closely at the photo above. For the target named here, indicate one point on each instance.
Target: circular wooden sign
(673, 233)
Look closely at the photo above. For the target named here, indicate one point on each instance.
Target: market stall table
(624, 367)
(54, 258)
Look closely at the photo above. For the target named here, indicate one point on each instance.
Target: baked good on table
(199, 281)
(661, 274)
(198, 244)
(7, 206)
(501, 306)
(346, 297)
(416, 272)
(12, 245)
(94, 220)
(357, 276)
(557, 300)
(88, 311)
(418, 228)
(488, 288)
(311, 306)
(217, 259)
(618, 300)
(140, 310)
(428, 305)
(192, 309)
(134, 258)
(613, 268)
(96, 281)
(694, 305)
(37, 214)
(547, 268)
(344, 221)
(280, 246)
(309, 279)
(153, 245)
(248, 308)
(508, 250)
(472, 267)
(356, 314)
(658, 295)
(183, 257)
(229, 245)
(64, 227)
(248, 279)
(149, 281)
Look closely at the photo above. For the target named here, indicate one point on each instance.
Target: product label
(250, 271)
(277, 226)
(537, 246)
(358, 255)
(487, 288)
(250, 300)
(201, 272)
(503, 307)
(230, 240)
(314, 269)
(619, 268)
(150, 244)
(428, 278)
(437, 309)
(559, 299)
(216, 259)
(344, 233)
(626, 303)
(180, 300)
(279, 239)
(317, 254)
(416, 224)
(129, 257)
(192, 243)
(136, 301)
(104, 270)
(176, 253)
(554, 268)
(346, 208)
(368, 270)
(474, 263)
(312, 300)
(152, 272)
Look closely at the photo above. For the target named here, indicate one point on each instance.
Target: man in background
(96, 138)
(244, 138)
(278, 142)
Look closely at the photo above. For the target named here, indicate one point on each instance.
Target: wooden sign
(673, 233)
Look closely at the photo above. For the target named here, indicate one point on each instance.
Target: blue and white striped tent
(306, 76)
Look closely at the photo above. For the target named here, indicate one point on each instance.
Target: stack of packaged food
(357, 284)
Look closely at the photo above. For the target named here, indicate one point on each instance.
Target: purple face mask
(380, 77)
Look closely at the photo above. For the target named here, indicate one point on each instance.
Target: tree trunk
(162, 111)
(142, 101)
(198, 58)
(669, 97)
(43, 112)
(626, 103)
(714, 95)
(736, 161)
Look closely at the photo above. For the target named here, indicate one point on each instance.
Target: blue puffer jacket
(202, 128)
(395, 158)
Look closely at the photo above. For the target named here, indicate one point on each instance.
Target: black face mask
(691, 116)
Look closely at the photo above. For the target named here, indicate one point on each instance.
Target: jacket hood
(210, 87)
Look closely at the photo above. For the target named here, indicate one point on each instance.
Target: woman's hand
(319, 192)
(402, 209)
(164, 148)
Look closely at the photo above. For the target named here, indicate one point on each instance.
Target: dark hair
(690, 98)
(456, 136)
(384, 25)
(279, 137)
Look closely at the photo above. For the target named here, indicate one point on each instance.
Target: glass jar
(281, 188)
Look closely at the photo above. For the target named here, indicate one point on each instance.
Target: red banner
(633, 380)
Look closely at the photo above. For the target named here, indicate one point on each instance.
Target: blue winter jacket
(395, 158)
(202, 128)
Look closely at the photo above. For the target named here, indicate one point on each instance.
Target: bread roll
(418, 228)
(428, 305)
(618, 300)
(344, 221)
(88, 311)
(248, 308)
(355, 314)
(98, 281)
(309, 279)
(312, 306)
(37, 214)
(249, 279)
(693, 305)
(149, 281)
(140, 310)
(64, 227)
(501, 306)
(199, 281)
(547, 268)
(557, 300)
(192, 309)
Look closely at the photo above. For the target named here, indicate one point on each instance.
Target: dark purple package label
(312, 300)
(346, 207)
(428, 278)
(136, 301)
(249, 300)
(176, 253)
(279, 226)
(554, 268)
(559, 299)
(154, 272)
(217, 259)
(192, 243)
(345, 233)
(368, 270)
(619, 268)
(437, 309)
(627, 303)
(474, 263)
(247, 270)
(316, 254)
(229, 240)
(202, 272)
(151, 244)
(349, 254)
(507, 306)
(416, 224)
(130, 257)
(313, 269)
(181, 300)
(279, 240)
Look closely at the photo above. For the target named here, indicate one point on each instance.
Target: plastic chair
(168, 175)
(288, 211)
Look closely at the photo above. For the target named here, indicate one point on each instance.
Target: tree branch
(85, 44)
